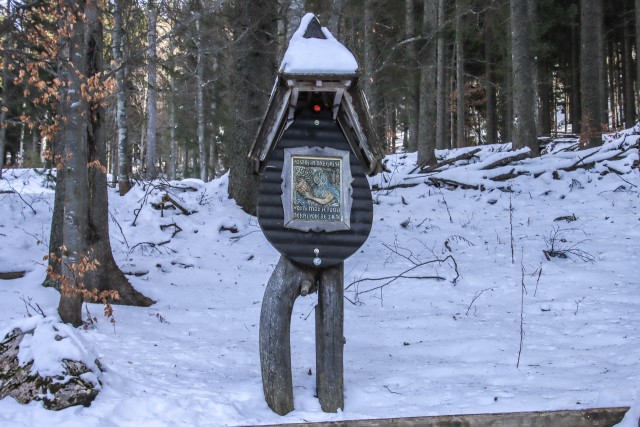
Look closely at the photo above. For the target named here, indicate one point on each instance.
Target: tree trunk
(590, 40)
(629, 97)
(152, 117)
(173, 143)
(79, 225)
(428, 107)
(4, 104)
(202, 148)
(256, 46)
(602, 69)
(545, 112)
(369, 77)
(575, 112)
(441, 81)
(524, 122)
(637, 50)
(460, 119)
(414, 81)
(124, 154)
(490, 90)
(532, 19)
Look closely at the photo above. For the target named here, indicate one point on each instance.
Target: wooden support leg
(275, 325)
(330, 339)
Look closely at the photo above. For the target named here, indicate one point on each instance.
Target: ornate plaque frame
(316, 189)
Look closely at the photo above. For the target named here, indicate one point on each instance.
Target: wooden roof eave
(355, 120)
(352, 116)
(272, 124)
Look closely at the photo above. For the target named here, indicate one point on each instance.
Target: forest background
(139, 90)
(189, 80)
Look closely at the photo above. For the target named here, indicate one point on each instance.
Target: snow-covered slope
(441, 337)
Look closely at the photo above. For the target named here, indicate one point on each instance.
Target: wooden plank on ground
(10, 275)
(598, 417)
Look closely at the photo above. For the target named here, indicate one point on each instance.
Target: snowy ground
(415, 347)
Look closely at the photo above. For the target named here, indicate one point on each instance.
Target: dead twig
(523, 290)
(475, 297)
(176, 228)
(29, 305)
(404, 275)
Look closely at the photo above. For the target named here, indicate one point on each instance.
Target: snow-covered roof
(309, 53)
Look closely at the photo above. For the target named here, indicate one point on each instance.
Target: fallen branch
(439, 181)
(463, 156)
(176, 228)
(393, 187)
(507, 160)
(151, 245)
(168, 199)
(509, 175)
(403, 275)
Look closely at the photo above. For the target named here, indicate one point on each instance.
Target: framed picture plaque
(316, 189)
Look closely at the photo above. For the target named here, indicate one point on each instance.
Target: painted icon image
(316, 188)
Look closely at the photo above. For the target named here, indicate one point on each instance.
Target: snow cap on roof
(308, 54)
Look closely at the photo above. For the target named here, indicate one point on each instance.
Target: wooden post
(330, 339)
(275, 325)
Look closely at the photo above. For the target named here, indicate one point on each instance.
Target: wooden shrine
(314, 148)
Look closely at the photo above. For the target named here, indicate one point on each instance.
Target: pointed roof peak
(314, 30)
(313, 50)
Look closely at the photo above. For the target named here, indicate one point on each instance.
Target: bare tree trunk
(4, 103)
(202, 149)
(173, 143)
(590, 40)
(369, 54)
(413, 97)
(124, 154)
(575, 112)
(3, 130)
(256, 48)
(441, 81)
(74, 172)
(637, 50)
(602, 69)
(370, 74)
(79, 225)
(524, 122)
(335, 20)
(532, 19)
(152, 118)
(629, 98)
(460, 119)
(490, 90)
(428, 107)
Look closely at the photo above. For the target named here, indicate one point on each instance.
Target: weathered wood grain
(598, 417)
(330, 339)
(275, 324)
